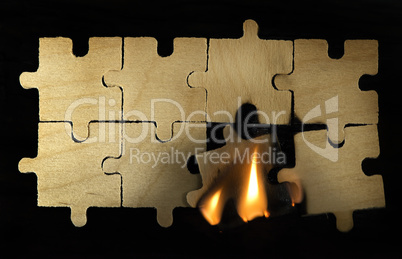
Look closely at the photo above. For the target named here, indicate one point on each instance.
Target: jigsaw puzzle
(333, 83)
(155, 88)
(155, 174)
(102, 114)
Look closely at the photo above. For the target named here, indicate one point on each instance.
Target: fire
(252, 193)
(248, 189)
(240, 181)
(254, 203)
(211, 211)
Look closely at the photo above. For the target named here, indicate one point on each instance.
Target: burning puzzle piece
(236, 171)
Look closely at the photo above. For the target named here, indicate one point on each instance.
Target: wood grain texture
(70, 87)
(70, 173)
(155, 88)
(327, 90)
(155, 174)
(243, 69)
(332, 178)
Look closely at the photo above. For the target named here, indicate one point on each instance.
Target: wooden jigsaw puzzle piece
(155, 87)
(332, 178)
(240, 71)
(327, 90)
(71, 88)
(155, 174)
(70, 173)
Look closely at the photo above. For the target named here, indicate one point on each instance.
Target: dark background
(28, 229)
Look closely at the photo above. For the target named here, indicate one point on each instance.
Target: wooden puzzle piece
(155, 174)
(229, 176)
(71, 88)
(317, 80)
(155, 88)
(332, 178)
(240, 71)
(70, 173)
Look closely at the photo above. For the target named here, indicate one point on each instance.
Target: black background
(28, 229)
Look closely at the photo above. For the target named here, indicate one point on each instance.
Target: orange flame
(254, 203)
(212, 208)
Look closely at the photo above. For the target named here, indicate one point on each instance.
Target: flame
(252, 193)
(210, 209)
(252, 201)
(255, 202)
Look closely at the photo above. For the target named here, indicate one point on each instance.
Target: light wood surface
(161, 184)
(70, 173)
(332, 178)
(243, 68)
(155, 88)
(70, 88)
(327, 90)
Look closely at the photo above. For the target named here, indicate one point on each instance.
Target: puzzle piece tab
(327, 90)
(70, 173)
(70, 88)
(155, 174)
(332, 178)
(240, 71)
(155, 87)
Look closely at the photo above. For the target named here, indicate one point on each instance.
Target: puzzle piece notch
(337, 186)
(327, 90)
(241, 71)
(70, 88)
(155, 87)
(155, 174)
(70, 173)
